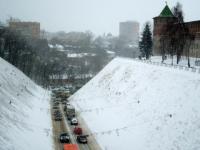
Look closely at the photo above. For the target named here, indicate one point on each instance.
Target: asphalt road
(58, 127)
(64, 126)
(92, 144)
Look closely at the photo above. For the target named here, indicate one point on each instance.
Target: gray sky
(98, 16)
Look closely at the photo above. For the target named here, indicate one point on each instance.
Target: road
(92, 144)
(64, 126)
(70, 131)
(58, 127)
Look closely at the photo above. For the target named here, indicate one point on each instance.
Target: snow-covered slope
(132, 105)
(24, 112)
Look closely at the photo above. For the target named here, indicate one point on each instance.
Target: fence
(191, 69)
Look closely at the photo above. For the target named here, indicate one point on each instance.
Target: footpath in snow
(25, 122)
(135, 105)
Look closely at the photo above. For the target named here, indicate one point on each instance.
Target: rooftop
(166, 12)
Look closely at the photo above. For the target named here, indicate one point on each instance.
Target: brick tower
(161, 22)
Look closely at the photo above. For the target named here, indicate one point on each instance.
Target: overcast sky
(98, 16)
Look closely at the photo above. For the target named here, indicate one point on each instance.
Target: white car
(74, 121)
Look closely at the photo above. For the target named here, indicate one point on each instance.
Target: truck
(65, 94)
(70, 112)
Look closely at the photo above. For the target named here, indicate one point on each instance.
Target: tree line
(26, 53)
(177, 38)
(38, 61)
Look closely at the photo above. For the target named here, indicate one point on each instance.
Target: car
(69, 117)
(82, 139)
(64, 138)
(58, 118)
(56, 112)
(74, 121)
(64, 102)
(65, 108)
(70, 147)
(77, 130)
(56, 100)
(55, 107)
(56, 103)
(67, 105)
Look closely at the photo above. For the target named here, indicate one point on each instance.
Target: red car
(78, 131)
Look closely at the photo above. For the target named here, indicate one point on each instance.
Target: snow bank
(133, 105)
(25, 122)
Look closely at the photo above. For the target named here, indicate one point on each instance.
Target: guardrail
(191, 69)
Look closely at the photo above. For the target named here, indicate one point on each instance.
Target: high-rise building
(28, 29)
(129, 32)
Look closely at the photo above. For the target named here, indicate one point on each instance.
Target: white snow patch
(80, 55)
(25, 122)
(134, 105)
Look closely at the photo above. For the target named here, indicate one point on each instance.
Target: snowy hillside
(24, 112)
(132, 105)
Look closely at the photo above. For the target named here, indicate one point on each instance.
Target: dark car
(56, 103)
(64, 138)
(58, 118)
(69, 117)
(64, 102)
(65, 108)
(55, 107)
(82, 139)
(56, 112)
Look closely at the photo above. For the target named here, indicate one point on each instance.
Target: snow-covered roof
(78, 76)
(79, 55)
(110, 52)
(50, 46)
(58, 46)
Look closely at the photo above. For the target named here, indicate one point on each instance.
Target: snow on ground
(79, 55)
(131, 105)
(25, 122)
(183, 61)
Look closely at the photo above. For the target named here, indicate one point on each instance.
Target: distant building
(2, 40)
(129, 32)
(167, 18)
(28, 29)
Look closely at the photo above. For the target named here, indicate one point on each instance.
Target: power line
(107, 107)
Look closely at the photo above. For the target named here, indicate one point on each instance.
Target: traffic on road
(67, 130)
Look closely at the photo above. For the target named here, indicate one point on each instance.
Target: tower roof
(166, 12)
